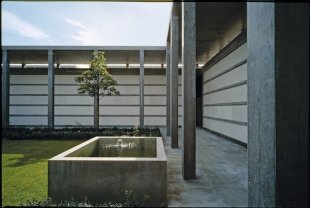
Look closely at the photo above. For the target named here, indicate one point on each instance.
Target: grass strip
(25, 168)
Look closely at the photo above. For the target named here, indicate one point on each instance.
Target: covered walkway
(221, 170)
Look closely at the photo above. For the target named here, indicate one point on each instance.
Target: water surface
(118, 147)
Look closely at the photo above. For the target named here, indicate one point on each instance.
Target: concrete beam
(141, 88)
(278, 104)
(51, 82)
(168, 54)
(5, 89)
(189, 90)
(174, 80)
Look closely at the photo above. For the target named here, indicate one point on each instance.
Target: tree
(97, 82)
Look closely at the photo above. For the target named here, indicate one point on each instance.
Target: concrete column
(5, 89)
(189, 90)
(168, 125)
(174, 80)
(278, 104)
(141, 88)
(95, 106)
(51, 81)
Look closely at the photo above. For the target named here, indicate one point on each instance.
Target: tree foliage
(97, 81)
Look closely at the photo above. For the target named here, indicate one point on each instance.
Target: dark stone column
(96, 122)
(51, 81)
(5, 89)
(141, 88)
(174, 79)
(168, 124)
(278, 104)
(189, 90)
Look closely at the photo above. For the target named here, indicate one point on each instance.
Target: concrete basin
(105, 179)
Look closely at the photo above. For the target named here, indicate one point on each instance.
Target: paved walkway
(221, 171)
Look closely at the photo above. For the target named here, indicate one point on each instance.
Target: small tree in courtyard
(97, 81)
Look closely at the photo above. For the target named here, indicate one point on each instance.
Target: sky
(85, 23)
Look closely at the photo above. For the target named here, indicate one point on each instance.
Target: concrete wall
(225, 95)
(28, 98)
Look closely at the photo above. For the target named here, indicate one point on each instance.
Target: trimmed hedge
(76, 133)
(129, 202)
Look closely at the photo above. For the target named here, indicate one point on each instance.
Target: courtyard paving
(221, 173)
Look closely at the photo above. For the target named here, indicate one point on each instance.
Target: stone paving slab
(221, 173)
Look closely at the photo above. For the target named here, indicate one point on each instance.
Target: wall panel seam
(227, 120)
(28, 94)
(28, 84)
(155, 85)
(236, 43)
(227, 70)
(226, 87)
(22, 105)
(28, 115)
(104, 96)
(227, 104)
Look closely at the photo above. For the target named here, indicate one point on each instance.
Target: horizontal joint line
(227, 120)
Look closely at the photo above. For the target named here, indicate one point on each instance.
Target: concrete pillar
(189, 90)
(5, 89)
(174, 79)
(168, 124)
(141, 88)
(51, 81)
(95, 107)
(278, 104)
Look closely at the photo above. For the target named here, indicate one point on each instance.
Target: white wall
(124, 109)
(154, 100)
(70, 107)
(220, 112)
(29, 101)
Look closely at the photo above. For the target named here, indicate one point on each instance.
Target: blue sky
(85, 23)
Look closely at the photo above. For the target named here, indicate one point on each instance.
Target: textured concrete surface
(168, 88)
(106, 178)
(51, 88)
(278, 104)
(141, 87)
(5, 96)
(221, 173)
(189, 90)
(174, 41)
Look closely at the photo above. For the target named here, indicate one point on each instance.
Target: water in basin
(118, 147)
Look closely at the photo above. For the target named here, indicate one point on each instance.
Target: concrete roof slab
(82, 54)
(217, 23)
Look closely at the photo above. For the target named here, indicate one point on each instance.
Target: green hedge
(76, 133)
(131, 201)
